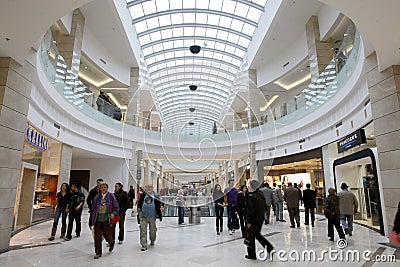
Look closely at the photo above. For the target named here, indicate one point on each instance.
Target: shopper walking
(181, 204)
(332, 213)
(75, 211)
(92, 194)
(131, 195)
(348, 207)
(139, 194)
(292, 198)
(105, 207)
(278, 198)
(62, 201)
(254, 218)
(241, 207)
(340, 59)
(218, 197)
(269, 200)
(230, 200)
(149, 208)
(309, 199)
(300, 193)
(123, 203)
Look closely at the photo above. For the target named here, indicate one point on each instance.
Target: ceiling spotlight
(192, 109)
(190, 133)
(193, 87)
(195, 49)
(191, 123)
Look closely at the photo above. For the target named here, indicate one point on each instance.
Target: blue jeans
(74, 216)
(231, 213)
(57, 214)
(349, 224)
(279, 210)
(181, 214)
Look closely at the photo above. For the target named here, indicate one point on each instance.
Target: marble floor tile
(194, 245)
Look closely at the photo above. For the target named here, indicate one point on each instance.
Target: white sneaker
(230, 232)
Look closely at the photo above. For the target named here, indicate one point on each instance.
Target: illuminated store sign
(36, 139)
(352, 140)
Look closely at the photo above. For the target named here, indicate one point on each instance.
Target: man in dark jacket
(75, 211)
(123, 203)
(255, 217)
(292, 198)
(309, 198)
(149, 208)
(92, 193)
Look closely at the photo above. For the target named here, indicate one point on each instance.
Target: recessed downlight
(192, 109)
(191, 123)
(193, 87)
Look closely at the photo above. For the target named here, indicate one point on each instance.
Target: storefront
(38, 181)
(359, 170)
(302, 168)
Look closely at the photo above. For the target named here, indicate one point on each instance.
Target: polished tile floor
(198, 245)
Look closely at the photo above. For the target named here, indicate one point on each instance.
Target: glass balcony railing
(316, 94)
(75, 91)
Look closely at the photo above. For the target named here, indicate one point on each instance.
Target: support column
(96, 94)
(146, 120)
(154, 181)
(235, 165)
(133, 109)
(148, 178)
(253, 163)
(255, 100)
(384, 91)
(70, 46)
(132, 118)
(133, 167)
(15, 91)
(65, 165)
(319, 53)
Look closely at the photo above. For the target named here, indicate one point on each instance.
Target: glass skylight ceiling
(167, 28)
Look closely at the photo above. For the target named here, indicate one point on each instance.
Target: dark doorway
(80, 176)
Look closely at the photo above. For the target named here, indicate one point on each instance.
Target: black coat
(92, 194)
(123, 200)
(241, 205)
(255, 208)
(157, 204)
(309, 198)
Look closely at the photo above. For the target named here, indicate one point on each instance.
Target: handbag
(116, 217)
(236, 224)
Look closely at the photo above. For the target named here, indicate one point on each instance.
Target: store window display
(36, 194)
(359, 174)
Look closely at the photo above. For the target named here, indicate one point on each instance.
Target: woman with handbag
(218, 197)
(105, 211)
(332, 213)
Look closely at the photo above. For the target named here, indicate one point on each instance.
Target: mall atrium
(195, 93)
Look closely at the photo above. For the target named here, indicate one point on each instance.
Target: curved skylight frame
(167, 28)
